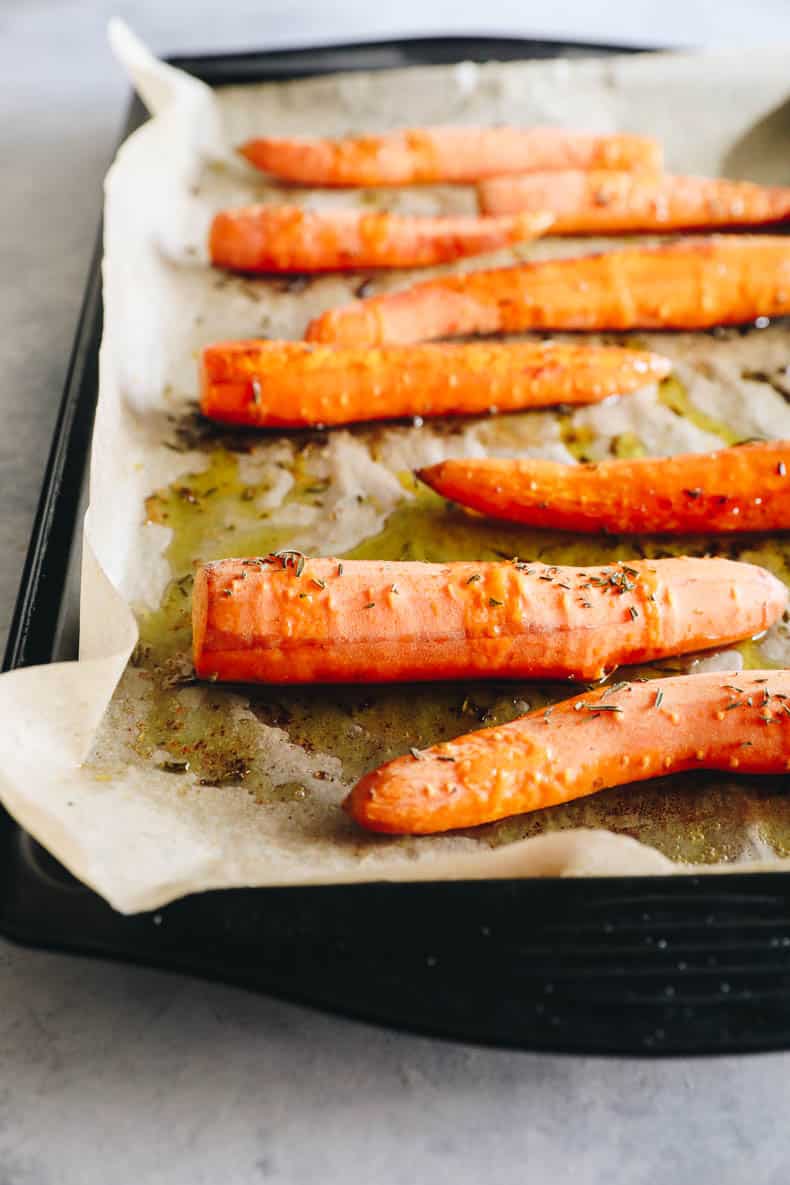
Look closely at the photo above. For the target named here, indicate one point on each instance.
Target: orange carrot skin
(293, 620)
(692, 284)
(414, 156)
(619, 202)
(291, 239)
(736, 723)
(745, 488)
(296, 384)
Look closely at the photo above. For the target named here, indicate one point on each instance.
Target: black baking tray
(652, 966)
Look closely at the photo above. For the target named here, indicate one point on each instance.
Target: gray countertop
(115, 1074)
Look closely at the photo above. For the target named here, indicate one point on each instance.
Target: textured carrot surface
(413, 156)
(601, 202)
(625, 733)
(745, 488)
(291, 239)
(692, 284)
(287, 619)
(296, 384)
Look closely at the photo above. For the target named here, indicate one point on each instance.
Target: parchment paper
(69, 772)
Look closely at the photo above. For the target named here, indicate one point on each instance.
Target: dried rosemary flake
(179, 681)
(633, 612)
(659, 698)
(494, 602)
(290, 557)
(318, 582)
(475, 576)
(444, 757)
(371, 605)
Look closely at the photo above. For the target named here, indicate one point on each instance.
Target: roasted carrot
(296, 384)
(414, 156)
(745, 488)
(287, 619)
(692, 284)
(612, 202)
(291, 239)
(626, 733)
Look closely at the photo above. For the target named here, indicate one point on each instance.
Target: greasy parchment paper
(70, 769)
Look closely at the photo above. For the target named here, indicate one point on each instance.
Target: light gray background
(114, 1075)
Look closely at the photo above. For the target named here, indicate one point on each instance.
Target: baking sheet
(105, 790)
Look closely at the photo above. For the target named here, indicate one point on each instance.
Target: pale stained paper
(137, 834)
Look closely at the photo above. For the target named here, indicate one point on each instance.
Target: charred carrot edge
(618, 202)
(291, 239)
(414, 156)
(692, 284)
(295, 384)
(288, 619)
(744, 488)
(625, 733)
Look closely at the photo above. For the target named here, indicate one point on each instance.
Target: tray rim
(51, 547)
(554, 47)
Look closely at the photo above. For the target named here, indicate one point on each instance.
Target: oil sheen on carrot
(628, 732)
(290, 619)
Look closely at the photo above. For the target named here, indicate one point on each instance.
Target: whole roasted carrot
(413, 156)
(296, 384)
(692, 284)
(745, 488)
(287, 619)
(291, 239)
(627, 733)
(602, 202)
